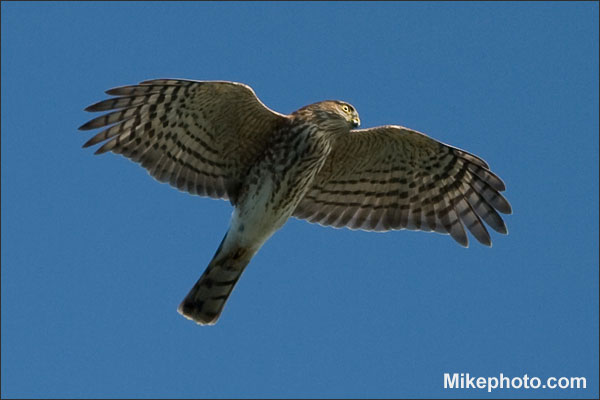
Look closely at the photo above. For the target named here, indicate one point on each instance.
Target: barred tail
(205, 302)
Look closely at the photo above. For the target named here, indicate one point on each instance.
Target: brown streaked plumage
(217, 139)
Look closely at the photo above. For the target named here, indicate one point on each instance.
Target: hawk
(217, 139)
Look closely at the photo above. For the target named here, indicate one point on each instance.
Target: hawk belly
(274, 187)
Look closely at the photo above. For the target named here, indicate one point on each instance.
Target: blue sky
(96, 255)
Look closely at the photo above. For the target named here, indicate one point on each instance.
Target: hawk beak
(355, 122)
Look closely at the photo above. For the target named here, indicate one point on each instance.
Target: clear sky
(96, 255)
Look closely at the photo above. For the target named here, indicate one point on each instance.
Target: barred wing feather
(390, 177)
(199, 136)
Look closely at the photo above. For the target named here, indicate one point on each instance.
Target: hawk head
(332, 115)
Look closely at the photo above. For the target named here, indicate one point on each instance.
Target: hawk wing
(391, 177)
(200, 136)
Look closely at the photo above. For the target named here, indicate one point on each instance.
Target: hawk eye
(346, 108)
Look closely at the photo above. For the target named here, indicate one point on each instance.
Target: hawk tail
(205, 302)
